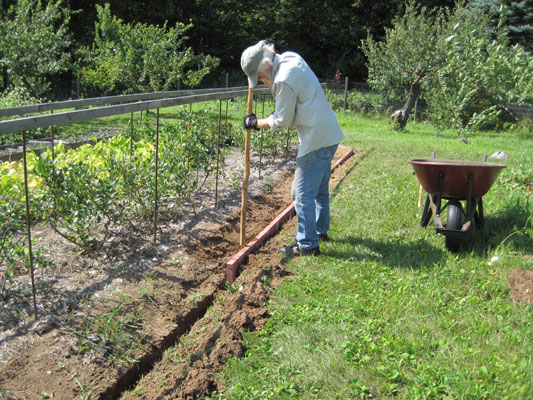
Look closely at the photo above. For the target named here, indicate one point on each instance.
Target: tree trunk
(402, 115)
(28, 86)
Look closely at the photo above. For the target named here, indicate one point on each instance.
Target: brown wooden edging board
(233, 264)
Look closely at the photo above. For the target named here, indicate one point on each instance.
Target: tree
(482, 76)
(140, 57)
(411, 51)
(518, 25)
(34, 44)
(224, 28)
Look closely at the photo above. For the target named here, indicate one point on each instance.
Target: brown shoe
(323, 238)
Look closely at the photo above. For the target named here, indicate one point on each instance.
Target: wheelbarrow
(456, 182)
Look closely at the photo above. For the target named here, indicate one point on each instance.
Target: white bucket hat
(250, 60)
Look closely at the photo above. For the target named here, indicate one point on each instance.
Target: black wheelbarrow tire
(454, 218)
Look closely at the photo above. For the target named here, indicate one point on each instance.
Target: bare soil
(521, 283)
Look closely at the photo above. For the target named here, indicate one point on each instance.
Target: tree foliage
(518, 26)
(34, 44)
(482, 77)
(141, 57)
(468, 79)
(411, 51)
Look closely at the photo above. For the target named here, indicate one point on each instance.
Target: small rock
(493, 260)
(94, 339)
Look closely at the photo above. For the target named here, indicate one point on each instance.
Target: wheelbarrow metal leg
(470, 205)
(469, 210)
(434, 203)
(439, 196)
(427, 213)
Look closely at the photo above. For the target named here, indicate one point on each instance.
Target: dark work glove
(250, 122)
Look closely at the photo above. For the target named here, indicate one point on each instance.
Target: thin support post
(28, 223)
(218, 151)
(345, 94)
(156, 173)
(287, 150)
(226, 118)
(131, 134)
(52, 133)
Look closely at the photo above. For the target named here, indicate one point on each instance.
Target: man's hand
(250, 122)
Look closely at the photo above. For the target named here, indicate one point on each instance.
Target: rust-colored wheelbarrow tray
(456, 173)
(454, 181)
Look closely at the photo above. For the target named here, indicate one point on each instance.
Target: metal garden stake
(28, 223)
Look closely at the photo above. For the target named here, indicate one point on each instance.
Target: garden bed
(106, 318)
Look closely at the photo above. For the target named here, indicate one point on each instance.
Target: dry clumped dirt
(521, 283)
(144, 321)
(109, 321)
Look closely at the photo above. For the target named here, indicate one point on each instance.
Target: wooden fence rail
(67, 117)
(109, 100)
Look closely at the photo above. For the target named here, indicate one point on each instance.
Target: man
(301, 104)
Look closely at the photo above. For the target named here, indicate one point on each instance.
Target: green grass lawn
(386, 311)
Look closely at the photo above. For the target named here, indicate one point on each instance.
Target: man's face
(266, 77)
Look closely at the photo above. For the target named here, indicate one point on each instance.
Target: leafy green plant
(13, 239)
(10, 250)
(81, 187)
(412, 52)
(134, 175)
(187, 157)
(482, 77)
(270, 142)
(519, 176)
(141, 57)
(363, 102)
(335, 99)
(35, 44)
(15, 97)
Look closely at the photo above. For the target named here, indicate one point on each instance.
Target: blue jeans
(310, 192)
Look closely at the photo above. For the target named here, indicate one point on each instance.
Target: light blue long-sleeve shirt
(302, 104)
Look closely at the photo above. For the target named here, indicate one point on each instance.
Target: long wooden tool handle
(244, 203)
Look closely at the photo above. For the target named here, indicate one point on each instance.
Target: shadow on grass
(414, 255)
(509, 228)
